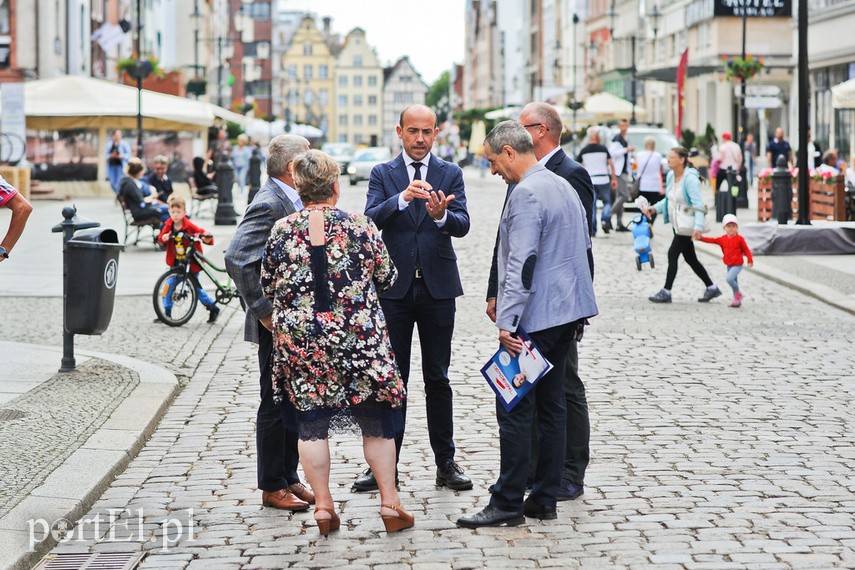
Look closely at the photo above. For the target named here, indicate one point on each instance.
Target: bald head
(539, 112)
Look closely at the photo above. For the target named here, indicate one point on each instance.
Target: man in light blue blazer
(545, 288)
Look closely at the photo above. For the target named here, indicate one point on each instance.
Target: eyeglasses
(536, 125)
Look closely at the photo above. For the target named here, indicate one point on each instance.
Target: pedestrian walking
(620, 150)
(240, 159)
(545, 288)
(598, 162)
(276, 424)
(419, 203)
(543, 124)
(735, 251)
(683, 186)
(118, 153)
(778, 146)
(649, 163)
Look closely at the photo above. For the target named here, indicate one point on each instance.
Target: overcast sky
(431, 33)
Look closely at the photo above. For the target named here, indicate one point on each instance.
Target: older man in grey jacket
(545, 288)
(276, 426)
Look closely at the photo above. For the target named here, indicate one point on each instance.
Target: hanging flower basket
(139, 67)
(738, 68)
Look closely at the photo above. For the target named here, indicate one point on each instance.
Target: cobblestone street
(721, 438)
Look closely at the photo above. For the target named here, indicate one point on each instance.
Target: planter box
(827, 201)
(173, 83)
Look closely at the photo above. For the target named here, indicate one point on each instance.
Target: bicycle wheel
(179, 286)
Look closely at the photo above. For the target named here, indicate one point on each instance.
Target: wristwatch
(3, 252)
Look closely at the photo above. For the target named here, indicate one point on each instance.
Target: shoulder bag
(635, 190)
(683, 215)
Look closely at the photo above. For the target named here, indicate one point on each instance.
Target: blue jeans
(604, 193)
(204, 298)
(732, 274)
(240, 176)
(114, 175)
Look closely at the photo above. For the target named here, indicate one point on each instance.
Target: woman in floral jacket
(322, 270)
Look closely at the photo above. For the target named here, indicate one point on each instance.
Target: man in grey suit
(276, 426)
(543, 123)
(545, 288)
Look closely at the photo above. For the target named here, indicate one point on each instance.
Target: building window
(342, 100)
(307, 72)
(357, 61)
(357, 81)
(292, 71)
(372, 81)
(324, 97)
(357, 120)
(323, 71)
(342, 80)
(342, 120)
(307, 48)
(357, 138)
(260, 50)
(357, 100)
(257, 10)
(372, 120)
(372, 100)
(257, 89)
(342, 137)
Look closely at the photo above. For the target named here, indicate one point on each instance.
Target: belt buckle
(418, 273)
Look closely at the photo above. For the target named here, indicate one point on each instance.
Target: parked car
(364, 160)
(341, 152)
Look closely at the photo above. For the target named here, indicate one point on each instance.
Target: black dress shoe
(450, 475)
(535, 510)
(491, 516)
(569, 491)
(366, 482)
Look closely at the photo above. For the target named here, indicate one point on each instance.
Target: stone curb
(73, 487)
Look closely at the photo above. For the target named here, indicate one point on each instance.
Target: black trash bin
(93, 267)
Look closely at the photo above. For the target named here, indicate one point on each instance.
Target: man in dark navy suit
(418, 202)
(543, 123)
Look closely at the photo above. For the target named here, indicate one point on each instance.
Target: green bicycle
(176, 292)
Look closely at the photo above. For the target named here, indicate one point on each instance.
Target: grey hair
(545, 113)
(315, 174)
(160, 159)
(512, 134)
(593, 131)
(281, 151)
(649, 142)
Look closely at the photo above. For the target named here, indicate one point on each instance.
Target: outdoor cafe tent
(843, 97)
(607, 107)
(262, 131)
(77, 102)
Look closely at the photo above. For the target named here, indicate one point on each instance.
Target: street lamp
(654, 16)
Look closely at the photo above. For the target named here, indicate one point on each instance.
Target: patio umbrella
(605, 107)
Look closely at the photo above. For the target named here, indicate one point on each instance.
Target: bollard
(225, 179)
(782, 192)
(254, 175)
(724, 203)
(68, 226)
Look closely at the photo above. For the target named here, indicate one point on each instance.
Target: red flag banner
(681, 91)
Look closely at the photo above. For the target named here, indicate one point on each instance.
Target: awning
(843, 95)
(669, 74)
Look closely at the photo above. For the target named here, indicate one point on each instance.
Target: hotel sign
(701, 10)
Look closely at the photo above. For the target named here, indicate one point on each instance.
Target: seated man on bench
(143, 208)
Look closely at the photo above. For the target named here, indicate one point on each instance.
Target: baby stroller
(641, 241)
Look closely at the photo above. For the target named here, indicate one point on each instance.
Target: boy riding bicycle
(174, 237)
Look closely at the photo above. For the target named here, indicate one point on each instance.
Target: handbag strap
(645, 165)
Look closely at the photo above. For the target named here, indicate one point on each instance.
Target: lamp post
(139, 81)
(654, 15)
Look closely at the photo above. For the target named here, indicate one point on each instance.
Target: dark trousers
(276, 427)
(683, 245)
(547, 399)
(435, 321)
(577, 452)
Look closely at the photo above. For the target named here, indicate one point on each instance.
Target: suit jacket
(411, 233)
(243, 257)
(544, 279)
(580, 181)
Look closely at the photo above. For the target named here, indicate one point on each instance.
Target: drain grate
(96, 561)
(9, 415)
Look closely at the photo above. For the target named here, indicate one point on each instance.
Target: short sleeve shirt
(777, 149)
(7, 192)
(595, 159)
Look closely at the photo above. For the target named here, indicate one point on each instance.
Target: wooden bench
(200, 200)
(135, 227)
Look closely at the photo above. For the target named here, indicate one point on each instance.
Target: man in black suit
(419, 204)
(543, 123)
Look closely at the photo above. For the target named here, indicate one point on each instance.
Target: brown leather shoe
(283, 499)
(302, 492)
